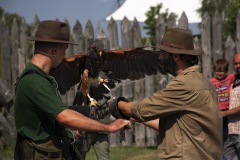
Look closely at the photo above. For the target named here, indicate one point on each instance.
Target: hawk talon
(102, 80)
(93, 102)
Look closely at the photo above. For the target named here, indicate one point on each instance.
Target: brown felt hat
(52, 31)
(178, 41)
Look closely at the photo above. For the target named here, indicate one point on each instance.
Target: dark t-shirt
(36, 105)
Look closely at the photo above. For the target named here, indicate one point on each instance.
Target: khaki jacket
(190, 124)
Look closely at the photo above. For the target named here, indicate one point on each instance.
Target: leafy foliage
(228, 10)
(9, 17)
(229, 23)
(210, 6)
(151, 21)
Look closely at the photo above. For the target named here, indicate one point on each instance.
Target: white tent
(138, 8)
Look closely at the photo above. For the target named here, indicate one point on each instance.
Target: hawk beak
(100, 53)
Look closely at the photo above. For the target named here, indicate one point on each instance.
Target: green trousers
(99, 142)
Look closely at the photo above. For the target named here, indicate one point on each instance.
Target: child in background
(222, 82)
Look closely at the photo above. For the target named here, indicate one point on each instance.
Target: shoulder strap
(31, 71)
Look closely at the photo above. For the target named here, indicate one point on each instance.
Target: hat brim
(194, 52)
(49, 40)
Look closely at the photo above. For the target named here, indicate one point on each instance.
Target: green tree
(229, 22)
(228, 10)
(9, 17)
(210, 6)
(150, 22)
(1, 11)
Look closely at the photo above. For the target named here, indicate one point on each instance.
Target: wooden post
(172, 21)
(112, 34)
(114, 138)
(170, 24)
(160, 29)
(23, 52)
(127, 87)
(34, 27)
(217, 36)
(238, 32)
(151, 134)
(14, 46)
(140, 129)
(89, 33)
(229, 53)
(19, 51)
(77, 38)
(5, 59)
(183, 21)
(68, 97)
(72, 92)
(102, 36)
(5, 65)
(6, 101)
(196, 45)
(206, 46)
(136, 32)
(6, 97)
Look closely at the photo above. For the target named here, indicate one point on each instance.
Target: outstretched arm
(154, 124)
(125, 108)
(231, 112)
(77, 121)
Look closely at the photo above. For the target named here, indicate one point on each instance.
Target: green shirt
(37, 104)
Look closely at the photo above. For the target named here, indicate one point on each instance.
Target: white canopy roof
(138, 8)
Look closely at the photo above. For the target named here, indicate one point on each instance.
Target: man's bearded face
(167, 63)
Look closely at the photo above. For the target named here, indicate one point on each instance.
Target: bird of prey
(117, 65)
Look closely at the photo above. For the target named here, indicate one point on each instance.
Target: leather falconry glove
(98, 113)
(113, 108)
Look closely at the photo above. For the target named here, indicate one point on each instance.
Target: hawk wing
(132, 64)
(69, 72)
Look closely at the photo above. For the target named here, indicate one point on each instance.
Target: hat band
(175, 46)
(50, 38)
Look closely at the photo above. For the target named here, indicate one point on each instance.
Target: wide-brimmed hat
(52, 31)
(178, 41)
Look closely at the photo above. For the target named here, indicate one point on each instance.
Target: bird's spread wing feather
(132, 64)
(69, 72)
(117, 65)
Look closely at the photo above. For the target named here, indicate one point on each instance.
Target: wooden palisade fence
(15, 51)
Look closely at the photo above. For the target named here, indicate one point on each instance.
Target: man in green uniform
(186, 112)
(43, 123)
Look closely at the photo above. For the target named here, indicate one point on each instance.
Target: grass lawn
(128, 153)
(116, 153)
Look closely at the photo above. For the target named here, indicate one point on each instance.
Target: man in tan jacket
(186, 112)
